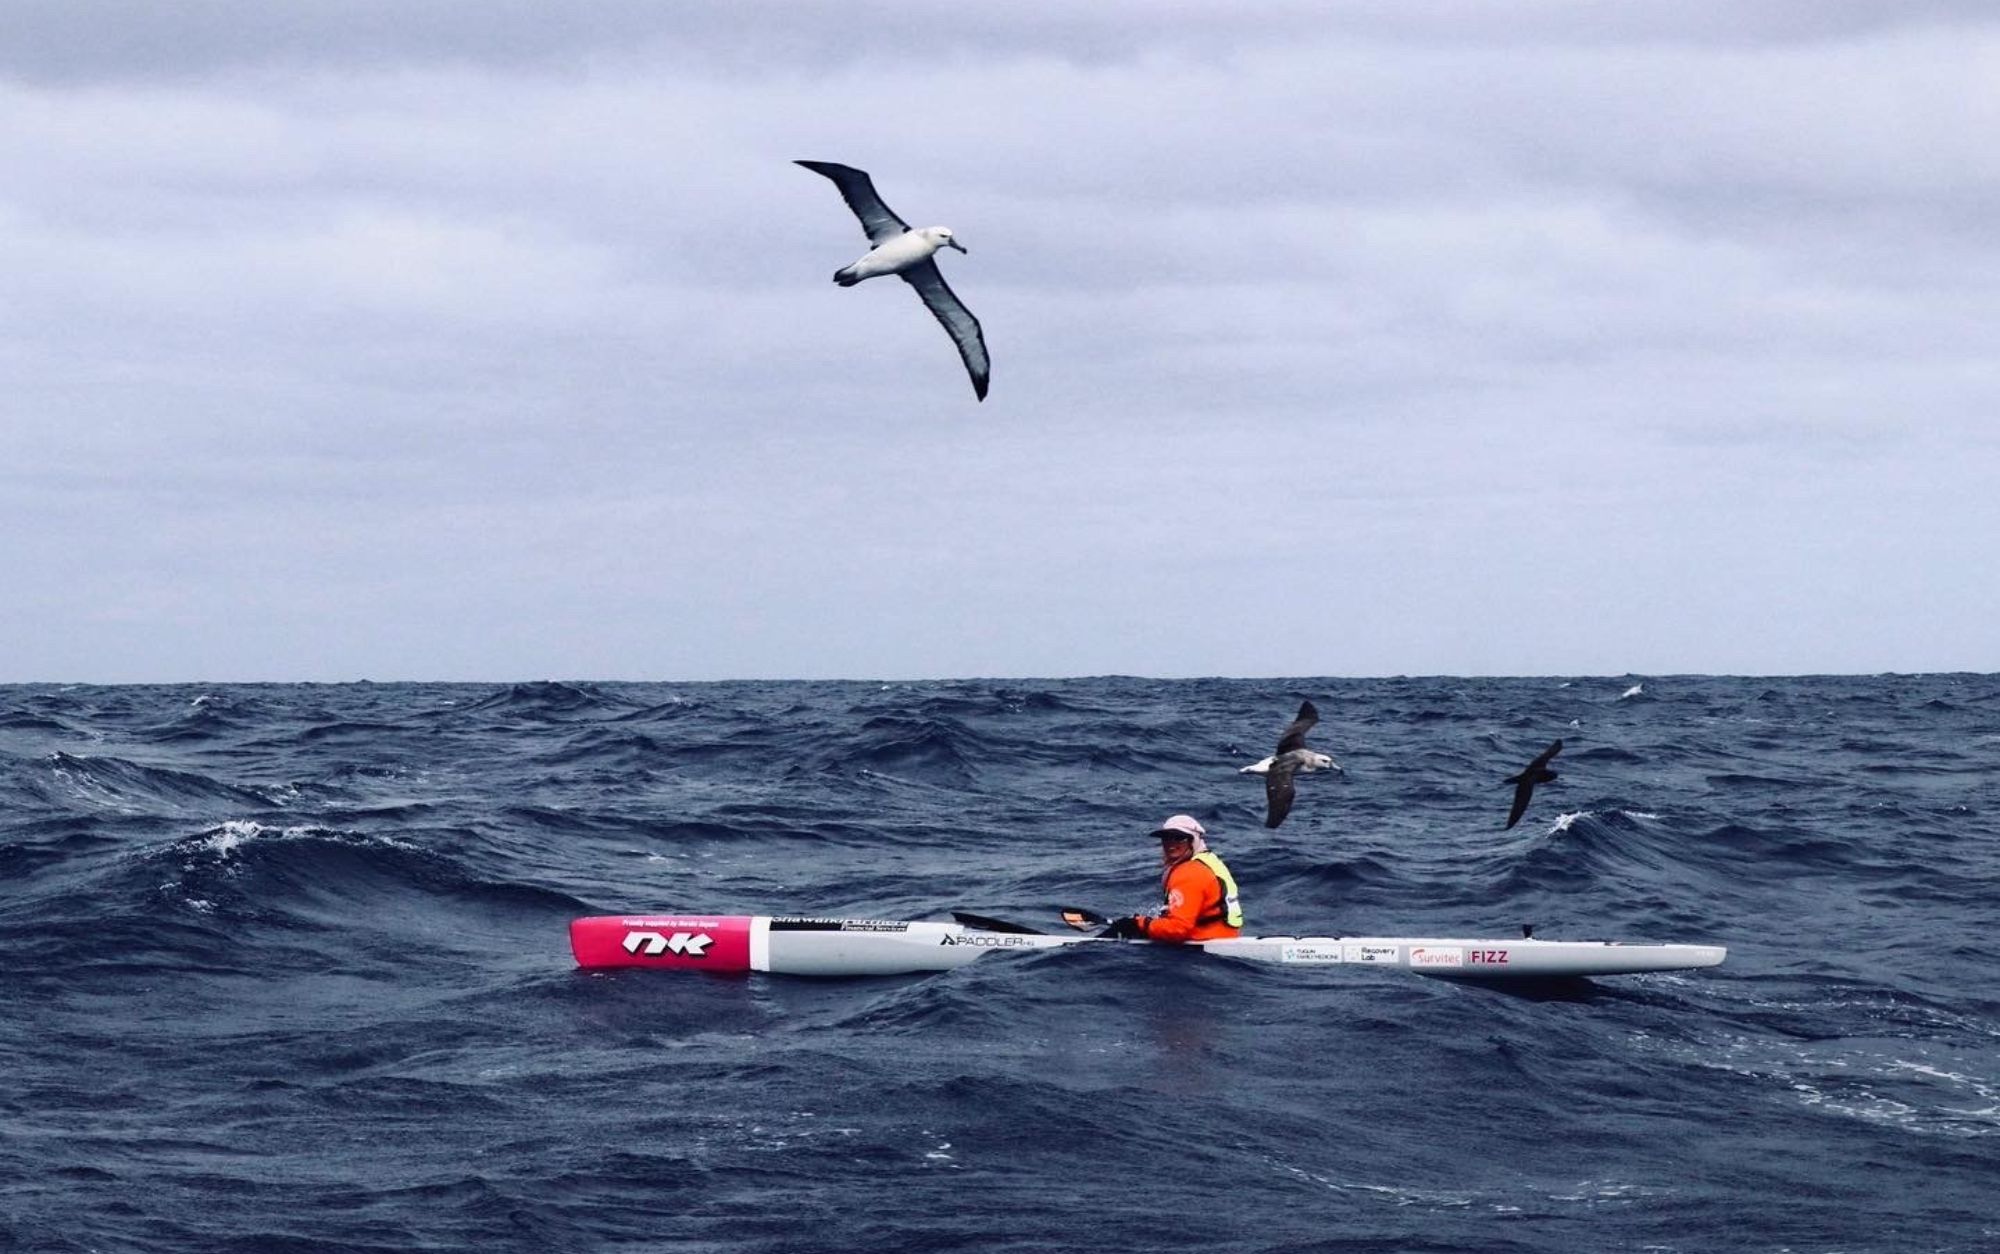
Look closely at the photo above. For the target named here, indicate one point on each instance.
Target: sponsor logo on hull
(1372, 953)
(1436, 956)
(982, 940)
(1488, 957)
(653, 944)
(837, 925)
(1309, 952)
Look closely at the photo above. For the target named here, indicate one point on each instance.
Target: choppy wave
(287, 968)
(131, 787)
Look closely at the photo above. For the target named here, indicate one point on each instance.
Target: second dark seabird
(1291, 758)
(1537, 772)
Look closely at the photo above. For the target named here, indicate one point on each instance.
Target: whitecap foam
(226, 840)
(235, 833)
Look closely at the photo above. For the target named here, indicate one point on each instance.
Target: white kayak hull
(1473, 958)
(855, 947)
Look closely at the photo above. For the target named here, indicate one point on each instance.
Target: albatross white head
(941, 237)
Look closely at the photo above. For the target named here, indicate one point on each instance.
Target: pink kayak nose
(712, 942)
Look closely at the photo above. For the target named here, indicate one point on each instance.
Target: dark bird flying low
(1537, 772)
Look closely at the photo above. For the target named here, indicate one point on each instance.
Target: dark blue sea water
(284, 968)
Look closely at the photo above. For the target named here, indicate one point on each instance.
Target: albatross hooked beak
(953, 243)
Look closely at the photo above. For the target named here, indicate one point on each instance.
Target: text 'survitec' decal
(1436, 956)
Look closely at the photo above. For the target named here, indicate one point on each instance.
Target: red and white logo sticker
(1436, 956)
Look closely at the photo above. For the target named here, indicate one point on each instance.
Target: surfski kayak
(736, 943)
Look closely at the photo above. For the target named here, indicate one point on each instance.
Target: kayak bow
(736, 943)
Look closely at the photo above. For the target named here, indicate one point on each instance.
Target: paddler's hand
(1126, 928)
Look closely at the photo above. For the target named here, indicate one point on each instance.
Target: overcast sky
(387, 339)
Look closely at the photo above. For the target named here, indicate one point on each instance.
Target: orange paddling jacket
(1200, 903)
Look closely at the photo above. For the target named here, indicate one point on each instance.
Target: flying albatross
(1291, 758)
(897, 249)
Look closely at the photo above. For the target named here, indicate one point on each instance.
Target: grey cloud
(112, 40)
(326, 333)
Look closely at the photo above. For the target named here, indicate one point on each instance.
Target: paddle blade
(987, 923)
(1082, 920)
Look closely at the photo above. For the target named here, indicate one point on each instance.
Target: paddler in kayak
(1200, 894)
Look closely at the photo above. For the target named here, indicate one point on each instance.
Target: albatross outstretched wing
(957, 319)
(1295, 735)
(858, 190)
(1278, 792)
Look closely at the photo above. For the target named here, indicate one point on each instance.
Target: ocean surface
(284, 968)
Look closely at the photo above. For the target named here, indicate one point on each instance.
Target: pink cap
(1181, 825)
